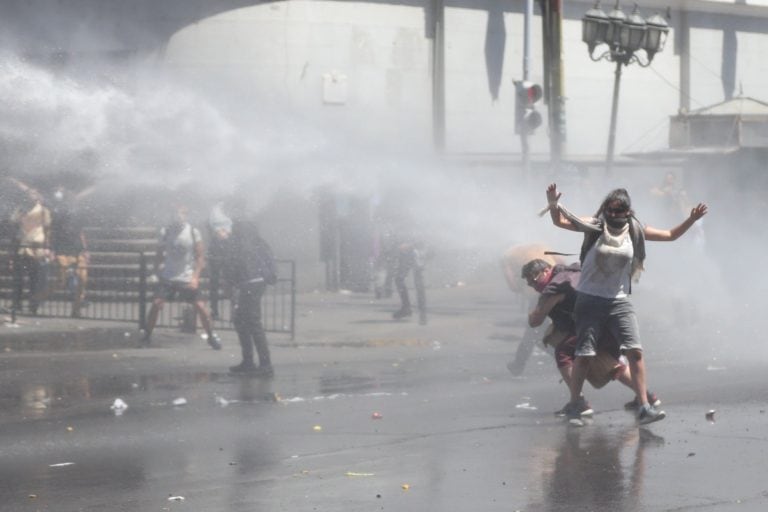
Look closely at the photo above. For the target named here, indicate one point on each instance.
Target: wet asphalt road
(456, 432)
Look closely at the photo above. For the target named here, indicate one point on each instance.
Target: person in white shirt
(612, 256)
(179, 261)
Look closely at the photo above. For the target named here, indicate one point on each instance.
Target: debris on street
(119, 406)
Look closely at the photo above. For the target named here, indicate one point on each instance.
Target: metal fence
(123, 291)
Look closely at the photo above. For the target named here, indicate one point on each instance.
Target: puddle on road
(36, 400)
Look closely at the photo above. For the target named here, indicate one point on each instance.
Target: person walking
(411, 257)
(612, 256)
(251, 268)
(180, 259)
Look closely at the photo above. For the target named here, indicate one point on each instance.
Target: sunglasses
(617, 211)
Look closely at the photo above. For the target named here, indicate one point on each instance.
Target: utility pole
(554, 90)
(436, 29)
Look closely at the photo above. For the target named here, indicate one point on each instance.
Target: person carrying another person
(612, 256)
(556, 286)
(179, 261)
(250, 268)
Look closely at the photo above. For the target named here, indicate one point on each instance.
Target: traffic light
(527, 119)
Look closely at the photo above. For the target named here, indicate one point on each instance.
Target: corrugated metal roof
(741, 105)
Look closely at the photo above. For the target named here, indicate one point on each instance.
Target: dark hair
(621, 195)
(533, 267)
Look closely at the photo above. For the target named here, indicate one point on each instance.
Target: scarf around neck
(595, 227)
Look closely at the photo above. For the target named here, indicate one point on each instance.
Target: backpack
(251, 257)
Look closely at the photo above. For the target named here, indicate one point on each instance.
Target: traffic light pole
(527, 43)
(437, 30)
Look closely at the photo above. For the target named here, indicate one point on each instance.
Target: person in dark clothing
(251, 268)
(514, 258)
(71, 252)
(410, 258)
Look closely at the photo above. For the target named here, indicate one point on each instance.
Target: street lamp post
(624, 37)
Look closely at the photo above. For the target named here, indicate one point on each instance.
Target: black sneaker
(402, 313)
(633, 404)
(214, 341)
(145, 340)
(243, 368)
(562, 412)
(649, 414)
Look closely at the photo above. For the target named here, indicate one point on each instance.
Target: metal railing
(119, 289)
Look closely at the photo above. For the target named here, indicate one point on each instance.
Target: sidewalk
(322, 319)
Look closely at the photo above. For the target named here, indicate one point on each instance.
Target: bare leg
(637, 370)
(625, 378)
(205, 318)
(154, 312)
(578, 374)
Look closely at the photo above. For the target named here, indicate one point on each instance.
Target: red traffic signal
(532, 91)
(527, 119)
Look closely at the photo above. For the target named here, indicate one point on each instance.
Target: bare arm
(543, 307)
(669, 235)
(558, 219)
(199, 264)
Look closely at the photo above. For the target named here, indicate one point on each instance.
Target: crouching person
(556, 285)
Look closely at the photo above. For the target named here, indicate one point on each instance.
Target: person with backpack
(179, 261)
(612, 256)
(251, 268)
